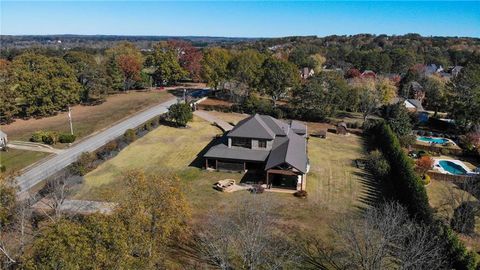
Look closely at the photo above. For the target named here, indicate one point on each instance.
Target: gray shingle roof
(236, 153)
(252, 127)
(298, 127)
(416, 103)
(290, 150)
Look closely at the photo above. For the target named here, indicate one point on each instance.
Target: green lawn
(333, 184)
(15, 160)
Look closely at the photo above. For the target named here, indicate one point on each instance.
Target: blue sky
(240, 18)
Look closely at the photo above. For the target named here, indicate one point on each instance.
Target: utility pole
(70, 119)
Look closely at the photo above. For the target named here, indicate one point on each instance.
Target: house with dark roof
(276, 149)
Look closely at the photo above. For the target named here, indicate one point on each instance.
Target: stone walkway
(214, 120)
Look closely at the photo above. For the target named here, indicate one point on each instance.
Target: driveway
(214, 120)
(31, 146)
(40, 171)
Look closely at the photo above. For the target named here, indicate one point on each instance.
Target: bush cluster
(66, 138)
(46, 137)
(51, 137)
(130, 135)
(84, 164)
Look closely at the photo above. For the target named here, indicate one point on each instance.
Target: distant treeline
(104, 41)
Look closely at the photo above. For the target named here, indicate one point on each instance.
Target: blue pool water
(433, 140)
(452, 167)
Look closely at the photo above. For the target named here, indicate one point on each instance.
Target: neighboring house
(306, 73)
(368, 74)
(3, 140)
(455, 71)
(275, 149)
(416, 91)
(432, 69)
(414, 106)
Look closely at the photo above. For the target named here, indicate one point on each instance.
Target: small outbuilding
(342, 128)
(3, 140)
(320, 134)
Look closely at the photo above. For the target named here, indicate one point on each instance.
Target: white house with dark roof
(264, 144)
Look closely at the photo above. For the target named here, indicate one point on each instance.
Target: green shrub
(3, 168)
(180, 113)
(377, 164)
(46, 137)
(426, 179)
(130, 135)
(37, 136)
(66, 138)
(84, 164)
(407, 140)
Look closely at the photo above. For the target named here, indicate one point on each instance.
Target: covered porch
(285, 179)
(228, 165)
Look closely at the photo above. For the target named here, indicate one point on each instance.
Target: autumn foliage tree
(424, 163)
(127, 58)
(189, 57)
(8, 93)
(47, 84)
(154, 212)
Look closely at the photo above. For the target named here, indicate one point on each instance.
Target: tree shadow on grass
(371, 190)
(372, 193)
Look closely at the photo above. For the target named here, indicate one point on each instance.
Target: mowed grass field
(14, 160)
(334, 184)
(87, 119)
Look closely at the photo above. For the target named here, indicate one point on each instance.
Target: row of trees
(35, 84)
(382, 53)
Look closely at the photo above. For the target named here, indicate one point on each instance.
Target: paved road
(38, 172)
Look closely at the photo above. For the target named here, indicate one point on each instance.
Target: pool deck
(460, 163)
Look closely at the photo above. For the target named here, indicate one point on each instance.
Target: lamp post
(70, 119)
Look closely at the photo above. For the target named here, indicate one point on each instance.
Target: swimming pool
(436, 140)
(452, 167)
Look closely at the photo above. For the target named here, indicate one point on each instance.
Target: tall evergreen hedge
(405, 186)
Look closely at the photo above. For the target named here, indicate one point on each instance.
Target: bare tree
(383, 238)
(248, 237)
(461, 204)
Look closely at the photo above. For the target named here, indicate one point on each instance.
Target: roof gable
(290, 150)
(252, 127)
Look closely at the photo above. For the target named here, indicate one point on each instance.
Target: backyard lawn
(334, 184)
